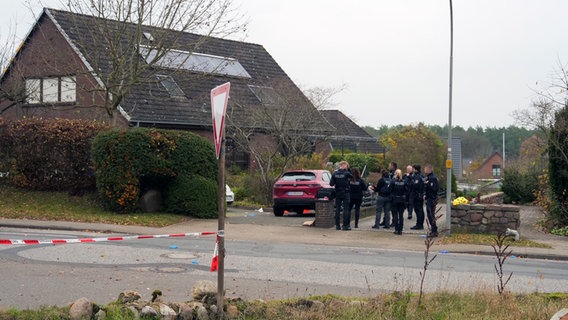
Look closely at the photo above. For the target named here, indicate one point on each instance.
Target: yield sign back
(219, 98)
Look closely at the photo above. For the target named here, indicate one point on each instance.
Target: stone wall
(485, 218)
(496, 197)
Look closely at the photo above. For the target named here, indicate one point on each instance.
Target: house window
(51, 90)
(171, 86)
(496, 170)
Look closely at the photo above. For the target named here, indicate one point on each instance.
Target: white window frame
(51, 90)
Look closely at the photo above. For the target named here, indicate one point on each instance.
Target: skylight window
(171, 85)
(198, 62)
(266, 95)
(148, 36)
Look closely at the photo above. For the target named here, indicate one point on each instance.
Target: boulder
(149, 312)
(81, 309)
(202, 289)
(185, 312)
(167, 312)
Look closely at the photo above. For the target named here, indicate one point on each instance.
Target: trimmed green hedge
(194, 195)
(127, 160)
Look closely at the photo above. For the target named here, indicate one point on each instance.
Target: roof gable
(149, 102)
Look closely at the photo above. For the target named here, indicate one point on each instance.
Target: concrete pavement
(252, 225)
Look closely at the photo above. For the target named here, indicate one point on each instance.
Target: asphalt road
(35, 275)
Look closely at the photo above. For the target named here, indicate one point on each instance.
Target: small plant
(501, 254)
(428, 242)
(560, 231)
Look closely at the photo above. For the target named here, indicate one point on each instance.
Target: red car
(296, 190)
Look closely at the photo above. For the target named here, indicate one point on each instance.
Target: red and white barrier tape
(86, 240)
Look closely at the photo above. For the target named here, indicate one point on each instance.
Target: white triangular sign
(219, 99)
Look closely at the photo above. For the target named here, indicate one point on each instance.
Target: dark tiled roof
(150, 103)
(349, 135)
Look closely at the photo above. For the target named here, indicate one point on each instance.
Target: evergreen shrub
(128, 160)
(194, 195)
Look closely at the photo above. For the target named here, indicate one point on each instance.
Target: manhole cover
(170, 269)
(179, 256)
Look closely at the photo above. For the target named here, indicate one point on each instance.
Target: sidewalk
(268, 228)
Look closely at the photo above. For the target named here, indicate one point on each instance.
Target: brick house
(59, 69)
(491, 168)
(348, 135)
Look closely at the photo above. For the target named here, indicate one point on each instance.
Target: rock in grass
(82, 308)
(202, 289)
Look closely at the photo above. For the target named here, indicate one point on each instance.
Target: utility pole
(449, 165)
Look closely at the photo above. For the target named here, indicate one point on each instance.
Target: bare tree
(14, 94)
(548, 115)
(282, 128)
(542, 113)
(323, 97)
(123, 32)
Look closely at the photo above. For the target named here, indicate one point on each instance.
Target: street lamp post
(449, 164)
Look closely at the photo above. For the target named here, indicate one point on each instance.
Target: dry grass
(488, 239)
(403, 305)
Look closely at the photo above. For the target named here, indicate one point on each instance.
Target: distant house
(60, 67)
(491, 168)
(348, 136)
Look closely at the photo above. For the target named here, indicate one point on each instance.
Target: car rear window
(298, 176)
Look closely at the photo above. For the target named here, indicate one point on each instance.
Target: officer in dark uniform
(417, 186)
(340, 180)
(431, 187)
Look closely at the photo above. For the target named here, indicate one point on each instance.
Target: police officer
(340, 180)
(399, 193)
(410, 197)
(431, 187)
(383, 188)
(417, 193)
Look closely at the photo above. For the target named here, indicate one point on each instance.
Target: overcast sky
(393, 56)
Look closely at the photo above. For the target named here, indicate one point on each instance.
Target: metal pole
(221, 229)
(449, 160)
(503, 154)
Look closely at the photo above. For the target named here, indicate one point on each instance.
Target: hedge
(49, 154)
(128, 160)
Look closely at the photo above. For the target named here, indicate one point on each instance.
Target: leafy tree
(416, 144)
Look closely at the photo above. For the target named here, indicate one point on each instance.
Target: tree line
(477, 142)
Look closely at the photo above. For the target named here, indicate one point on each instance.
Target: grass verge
(397, 305)
(488, 239)
(60, 206)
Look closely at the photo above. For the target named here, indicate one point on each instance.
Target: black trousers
(355, 203)
(431, 213)
(419, 209)
(342, 203)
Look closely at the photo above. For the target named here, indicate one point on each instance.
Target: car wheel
(278, 211)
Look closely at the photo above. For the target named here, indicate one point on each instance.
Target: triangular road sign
(219, 99)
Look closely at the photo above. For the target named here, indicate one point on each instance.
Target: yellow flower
(460, 200)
